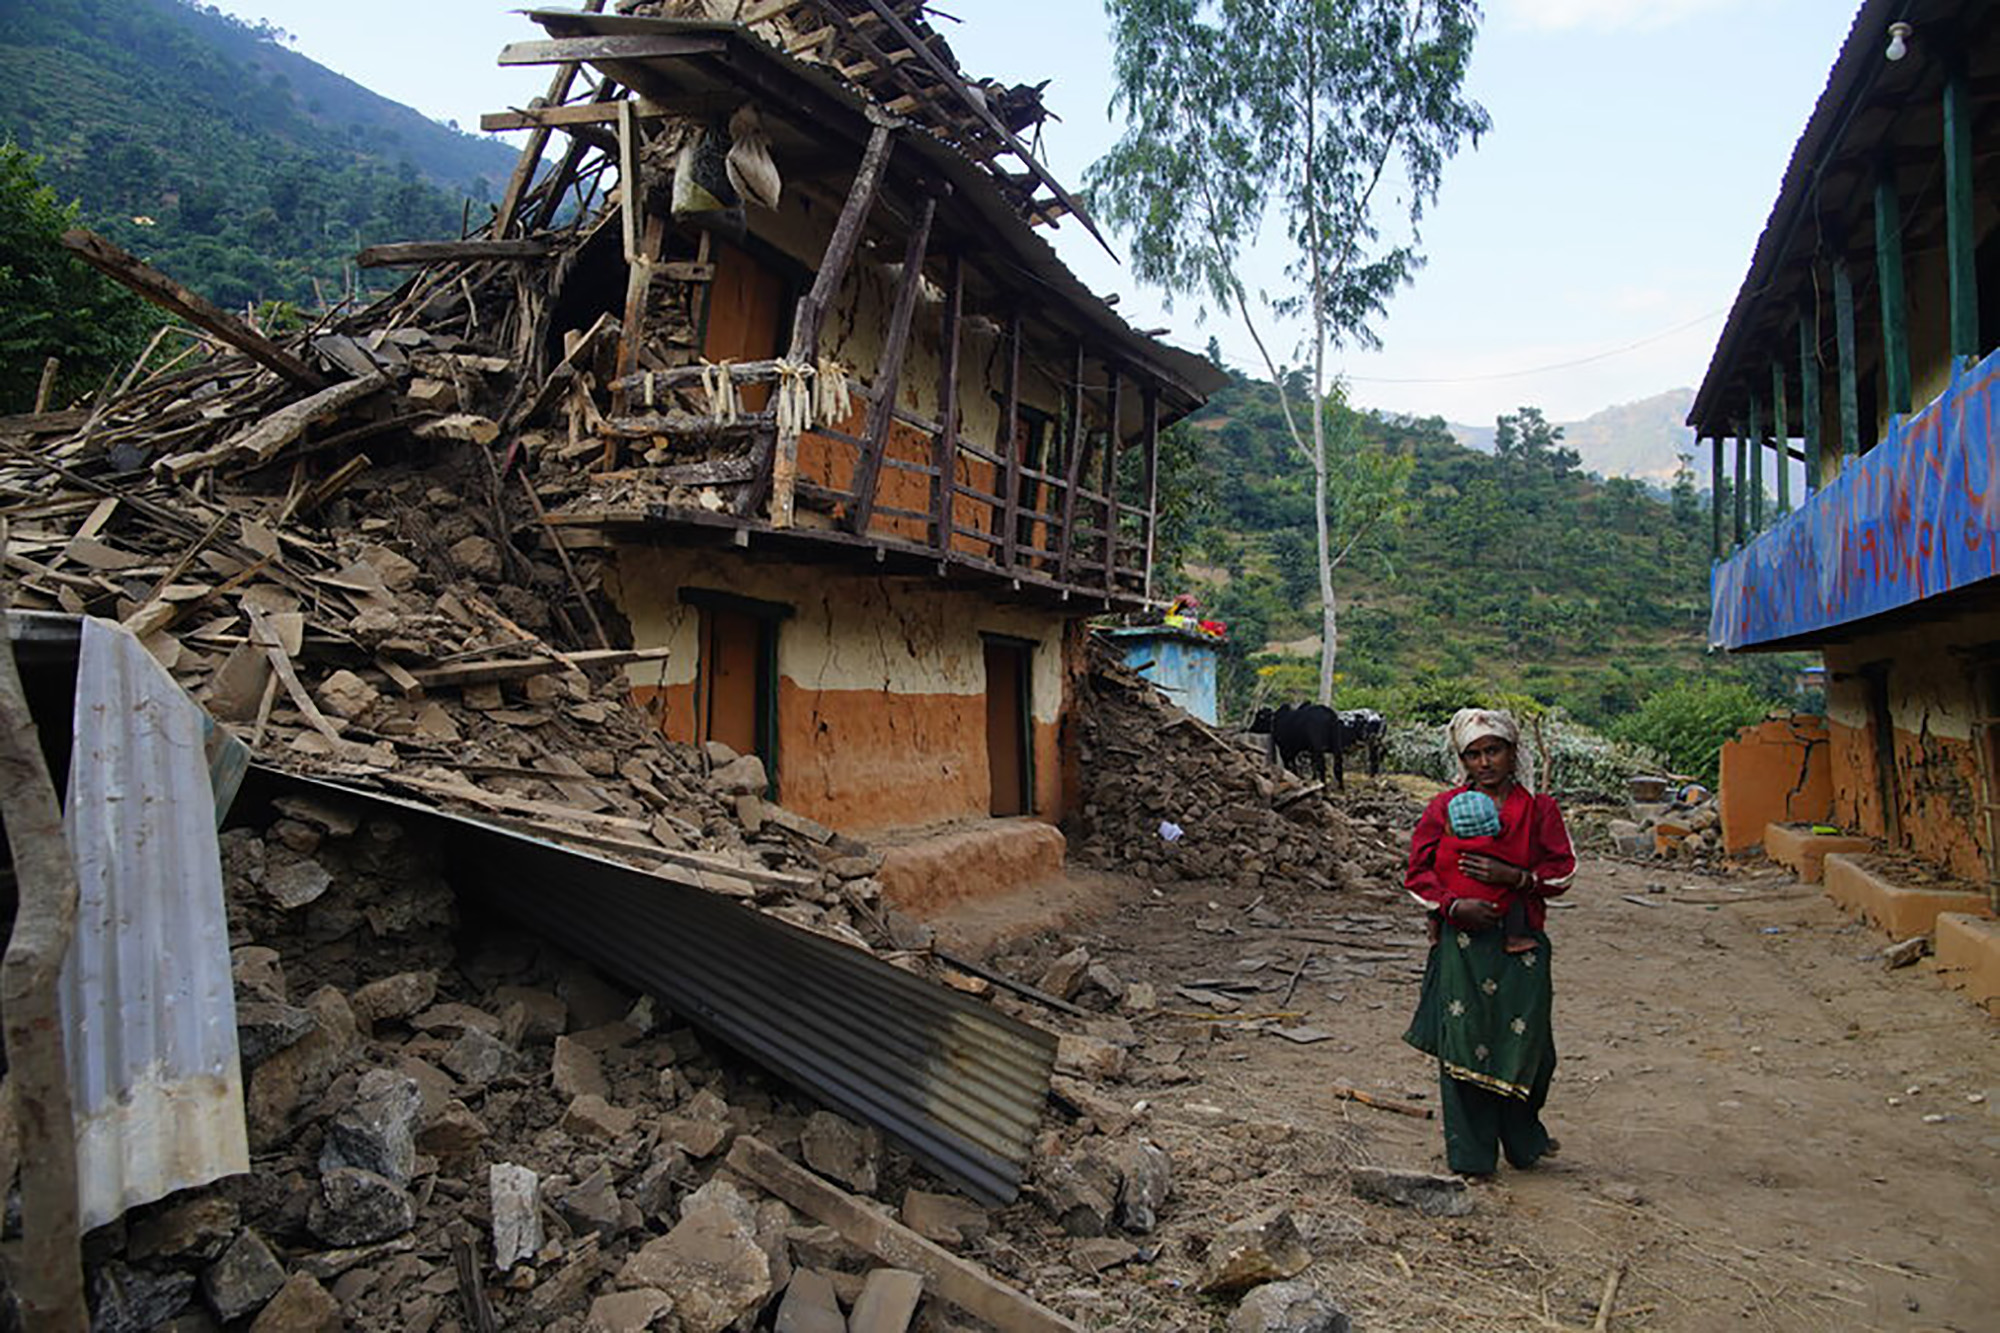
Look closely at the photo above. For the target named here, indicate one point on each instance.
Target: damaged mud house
(511, 733)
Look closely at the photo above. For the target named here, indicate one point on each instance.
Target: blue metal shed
(1181, 663)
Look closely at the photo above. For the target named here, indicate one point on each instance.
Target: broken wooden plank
(888, 380)
(164, 292)
(262, 442)
(405, 253)
(612, 46)
(964, 1284)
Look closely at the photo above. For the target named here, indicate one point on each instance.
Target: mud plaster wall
(881, 684)
(1932, 707)
(1776, 772)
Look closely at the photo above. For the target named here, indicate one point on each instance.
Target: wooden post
(813, 305)
(538, 142)
(889, 372)
(944, 454)
(1110, 487)
(1889, 277)
(1960, 227)
(164, 292)
(1715, 484)
(632, 333)
(1809, 400)
(1782, 435)
(1010, 444)
(1742, 485)
(1152, 479)
(1844, 346)
(1756, 465)
(1073, 469)
(630, 204)
(49, 1269)
(46, 388)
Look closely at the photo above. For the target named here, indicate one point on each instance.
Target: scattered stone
(265, 1027)
(576, 1070)
(1097, 1253)
(455, 1132)
(132, 1300)
(1141, 997)
(1089, 1057)
(580, 1275)
(378, 1130)
(810, 1306)
(399, 996)
(888, 1302)
(344, 694)
(1288, 1307)
(356, 1207)
(478, 557)
(629, 1311)
(591, 1117)
(1081, 1191)
(478, 1057)
(718, 753)
(854, 867)
(257, 971)
(591, 1206)
(841, 1150)
(1259, 1249)
(1431, 1195)
(653, 1191)
(246, 1276)
(293, 884)
(1103, 978)
(1145, 1181)
(453, 1017)
(198, 1228)
(698, 1138)
(541, 1016)
(283, 1082)
(1065, 976)
(944, 1218)
(517, 1220)
(713, 1265)
(744, 775)
(302, 1305)
(1905, 952)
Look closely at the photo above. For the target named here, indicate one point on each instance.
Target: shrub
(1688, 722)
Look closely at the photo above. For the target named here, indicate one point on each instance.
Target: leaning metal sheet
(149, 1009)
(1914, 517)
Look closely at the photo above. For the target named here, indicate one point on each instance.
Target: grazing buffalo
(1316, 731)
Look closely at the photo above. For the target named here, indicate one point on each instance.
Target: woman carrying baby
(1484, 860)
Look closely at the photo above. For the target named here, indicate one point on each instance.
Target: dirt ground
(1760, 1127)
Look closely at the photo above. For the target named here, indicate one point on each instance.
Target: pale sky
(1583, 255)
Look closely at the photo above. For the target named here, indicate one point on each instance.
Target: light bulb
(1899, 46)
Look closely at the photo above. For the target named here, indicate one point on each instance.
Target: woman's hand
(1487, 870)
(1474, 914)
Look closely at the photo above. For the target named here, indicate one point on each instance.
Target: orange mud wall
(1776, 772)
(881, 716)
(1927, 685)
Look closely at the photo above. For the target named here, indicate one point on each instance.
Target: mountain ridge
(1643, 439)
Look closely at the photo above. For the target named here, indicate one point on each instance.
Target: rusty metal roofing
(951, 1079)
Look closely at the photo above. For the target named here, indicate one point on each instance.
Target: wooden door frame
(769, 616)
(1025, 700)
(793, 278)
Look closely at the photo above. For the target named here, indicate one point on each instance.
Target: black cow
(1317, 731)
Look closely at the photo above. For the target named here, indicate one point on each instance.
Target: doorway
(1882, 726)
(736, 677)
(1009, 717)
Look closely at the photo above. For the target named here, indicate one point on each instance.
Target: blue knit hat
(1472, 814)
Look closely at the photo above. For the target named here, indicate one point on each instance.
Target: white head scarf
(1474, 724)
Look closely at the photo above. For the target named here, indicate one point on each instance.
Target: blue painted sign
(1913, 518)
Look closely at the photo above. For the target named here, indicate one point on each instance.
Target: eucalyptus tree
(1309, 112)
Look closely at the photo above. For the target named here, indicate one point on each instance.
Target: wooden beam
(1715, 480)
(1889, 280)
(611, 46)
(1152, 480)
(1809, 404)
(531, 151)
(1010, 443)
(1109, 486)
(1781, 436)
(406, 253)
(813, 305)
(963, 1284)
(1742, 486)
(631, 201)
(638, 286)
(1961, 226)
(889, 374)
(556, 184)
(945, 453)
(164, 292)
(1843, 332)
(1073, 469)
(1756, 464)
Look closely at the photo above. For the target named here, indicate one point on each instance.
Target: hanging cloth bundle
(830, 399)
(719, 383)
(795, 399)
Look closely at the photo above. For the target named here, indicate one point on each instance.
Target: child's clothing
(1474, 826)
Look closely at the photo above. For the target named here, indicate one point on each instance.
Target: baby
(1475, 821)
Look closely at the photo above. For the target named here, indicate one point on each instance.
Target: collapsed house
(617, 571)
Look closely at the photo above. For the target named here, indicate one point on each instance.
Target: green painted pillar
(1809, 399)
(1889, 277)
(1716, 481)
(1756, 465)
(1781, 436)
(1742, 484)
(1843, 333)
(1958, 222)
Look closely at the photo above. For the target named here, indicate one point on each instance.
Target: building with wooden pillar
(871, 454)
(1868, 323)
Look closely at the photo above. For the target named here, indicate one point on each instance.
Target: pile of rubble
(1678, 822)
(1166, 798)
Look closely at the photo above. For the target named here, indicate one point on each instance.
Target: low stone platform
(926, 870)
(1902, 910)
(1804, 852)
(1968, 956)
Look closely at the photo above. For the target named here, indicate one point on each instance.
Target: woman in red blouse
(1485, 1012)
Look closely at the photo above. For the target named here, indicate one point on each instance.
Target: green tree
(51, 304)
(1234, 107)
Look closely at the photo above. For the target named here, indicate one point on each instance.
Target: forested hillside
(1511, 572)
(244, 169)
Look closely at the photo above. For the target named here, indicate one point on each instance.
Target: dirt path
(1741, 1101)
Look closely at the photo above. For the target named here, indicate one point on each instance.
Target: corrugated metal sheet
(149, 1008)
(954, 1081)
(1180, 664)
